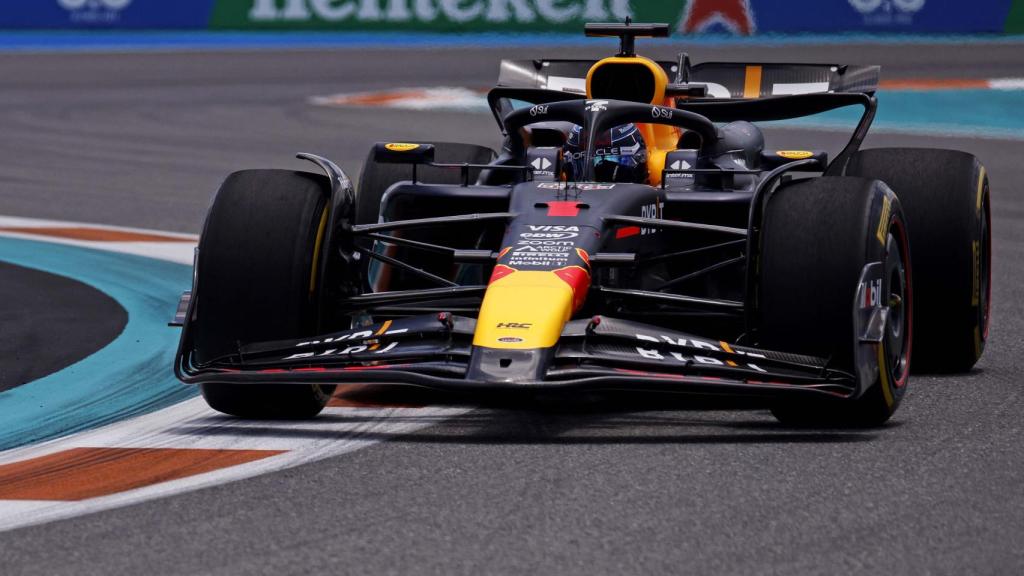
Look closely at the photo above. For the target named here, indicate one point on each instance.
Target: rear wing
(724, 80)
(725, 91)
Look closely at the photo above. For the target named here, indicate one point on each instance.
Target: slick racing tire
(256, 282)
(376, 178)
(835, 252)
(945, 196)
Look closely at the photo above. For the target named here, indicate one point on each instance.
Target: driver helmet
(620, 155)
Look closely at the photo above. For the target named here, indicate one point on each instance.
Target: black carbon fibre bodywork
(678, 259)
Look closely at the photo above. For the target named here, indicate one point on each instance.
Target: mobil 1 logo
(544, 246)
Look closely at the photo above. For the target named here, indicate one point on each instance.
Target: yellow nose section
(523, 310)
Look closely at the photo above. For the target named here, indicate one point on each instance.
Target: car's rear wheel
(835, 251)
(376, 177)
(256, 281)
(945, 195)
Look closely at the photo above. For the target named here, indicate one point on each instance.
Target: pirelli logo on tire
(883, 220)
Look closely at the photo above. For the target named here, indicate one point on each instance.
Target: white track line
(178, 252)
(193, 425)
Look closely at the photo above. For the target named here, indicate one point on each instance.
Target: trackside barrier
(742, 17)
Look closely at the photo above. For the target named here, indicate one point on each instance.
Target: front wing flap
(601, 353)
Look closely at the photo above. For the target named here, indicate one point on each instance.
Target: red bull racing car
(633, 234)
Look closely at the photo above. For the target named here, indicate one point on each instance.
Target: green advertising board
(437, 15)
(1015, 20)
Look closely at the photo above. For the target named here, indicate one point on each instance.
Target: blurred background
(137, 109)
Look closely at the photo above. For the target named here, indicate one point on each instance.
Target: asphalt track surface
(144, 140)
(35, 302)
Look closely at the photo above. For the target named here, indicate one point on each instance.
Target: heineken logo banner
(729, 17)
(433, 15)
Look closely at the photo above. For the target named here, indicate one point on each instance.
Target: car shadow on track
(377, 415)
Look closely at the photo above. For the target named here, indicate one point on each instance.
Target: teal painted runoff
(130, 376)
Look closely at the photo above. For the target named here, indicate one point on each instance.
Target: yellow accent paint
(883, 376)
(401, 146)
(383, 328)
(975, 273)
(795, 154)
(752, 82)
(883, 221)
(540, 299)
(316, 250)
(731, 363)
(725, 346)
(981, 187)
(655, 164)
(660, 78)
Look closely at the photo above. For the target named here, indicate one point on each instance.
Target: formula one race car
(634, 234)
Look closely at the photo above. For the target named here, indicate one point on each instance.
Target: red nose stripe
(81, 473)
(500, 271)
(563, 208)
(579, 280)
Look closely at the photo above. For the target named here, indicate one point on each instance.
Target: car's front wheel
(256, 281)
(835, 282)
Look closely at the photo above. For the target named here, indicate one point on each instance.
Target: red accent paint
(652, 374)
(635, 372)
(901, 381)
(626, 232)
(583, 255)
(563, 208)
(500, 271)
(361, 368)
(579, 280)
